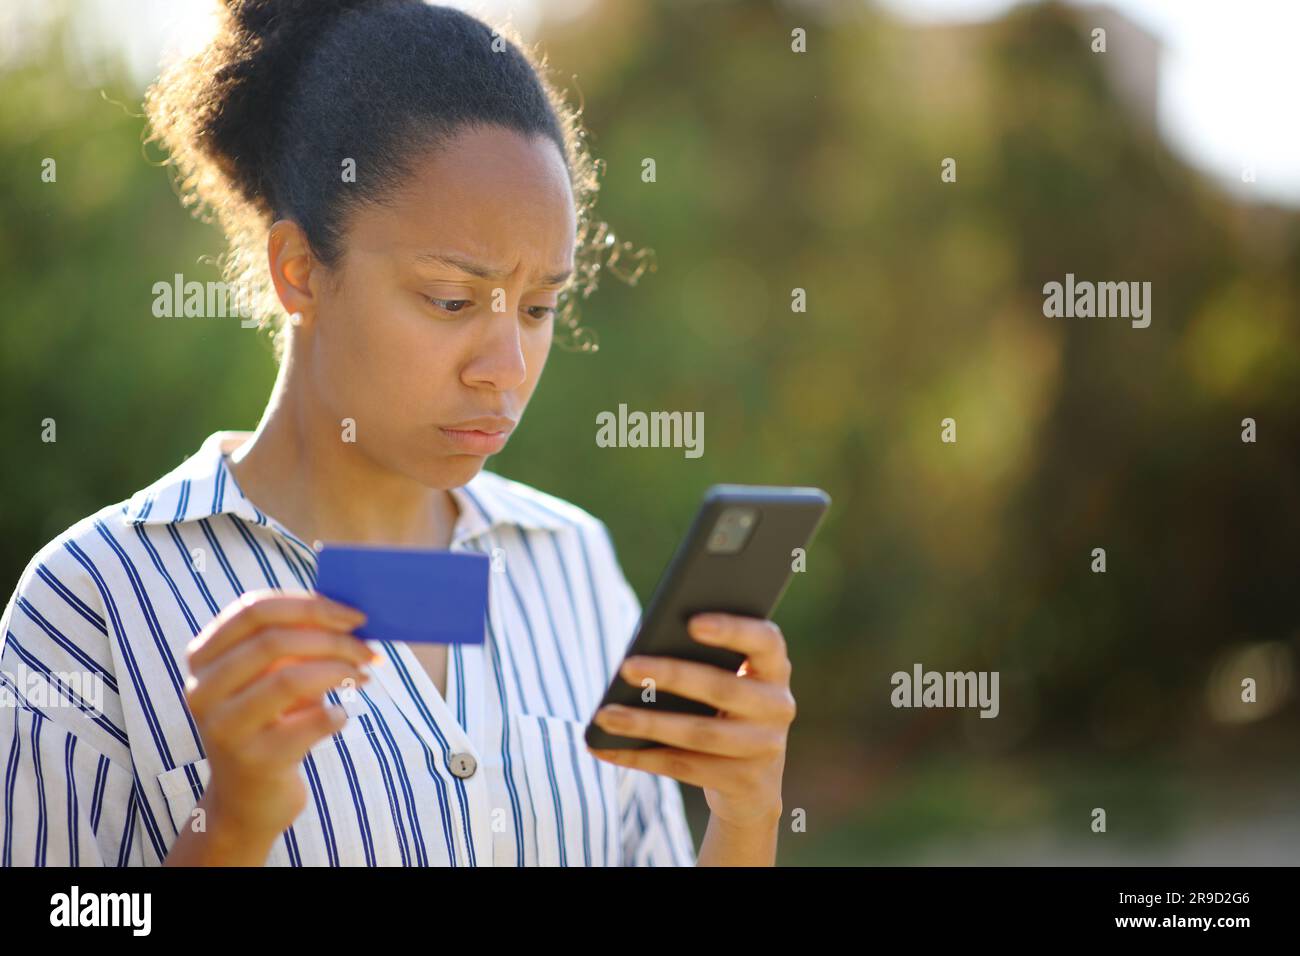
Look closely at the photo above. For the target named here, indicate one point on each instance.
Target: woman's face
(441, 309)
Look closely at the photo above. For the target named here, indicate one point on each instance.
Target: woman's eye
(546, 311)
(448, 305)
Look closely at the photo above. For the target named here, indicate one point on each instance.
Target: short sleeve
(654, 828)
(67, 793)
(64, 803)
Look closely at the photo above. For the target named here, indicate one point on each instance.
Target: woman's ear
(291, 263)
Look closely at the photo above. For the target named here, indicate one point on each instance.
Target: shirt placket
(457, 758)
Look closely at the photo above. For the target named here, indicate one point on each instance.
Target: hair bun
(256, 57)
(264, 17)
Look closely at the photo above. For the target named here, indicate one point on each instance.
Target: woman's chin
(452, 471)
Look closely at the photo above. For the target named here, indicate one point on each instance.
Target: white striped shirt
(101, 760)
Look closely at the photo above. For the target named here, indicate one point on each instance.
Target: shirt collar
(203, 486)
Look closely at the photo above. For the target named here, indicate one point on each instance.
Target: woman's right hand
(258, 675)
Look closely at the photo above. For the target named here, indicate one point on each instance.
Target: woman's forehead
(486, 200)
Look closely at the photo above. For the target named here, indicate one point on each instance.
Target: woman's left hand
(737, 757)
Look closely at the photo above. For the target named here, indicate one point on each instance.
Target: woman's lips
(476, 442)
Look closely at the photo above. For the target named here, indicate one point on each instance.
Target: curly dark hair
(258, 124)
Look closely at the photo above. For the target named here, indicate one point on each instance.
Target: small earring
(295, 318)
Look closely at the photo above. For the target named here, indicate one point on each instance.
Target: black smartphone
(737, 558)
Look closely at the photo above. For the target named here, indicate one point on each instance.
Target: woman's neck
(298, 469)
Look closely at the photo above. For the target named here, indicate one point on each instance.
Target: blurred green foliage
(818, 171)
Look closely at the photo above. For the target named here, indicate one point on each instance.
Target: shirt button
(463, 765)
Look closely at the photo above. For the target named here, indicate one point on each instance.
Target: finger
(261, 702)
(307, 703)
(234, 670)
(347, 687)
(761, 641)
(738, 696)
(698, 770)
(721, 736)
(256, 610)
(288, 740)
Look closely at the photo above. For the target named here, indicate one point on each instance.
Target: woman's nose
(499, 356)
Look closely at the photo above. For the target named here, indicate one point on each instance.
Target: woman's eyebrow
(481, 271)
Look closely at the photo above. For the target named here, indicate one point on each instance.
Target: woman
(408, 188)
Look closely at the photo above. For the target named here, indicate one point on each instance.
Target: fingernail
(611, 714)
(705, 626)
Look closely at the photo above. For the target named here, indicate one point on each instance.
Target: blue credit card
(409, 594)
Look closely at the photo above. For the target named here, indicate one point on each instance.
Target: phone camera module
(731, 531)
